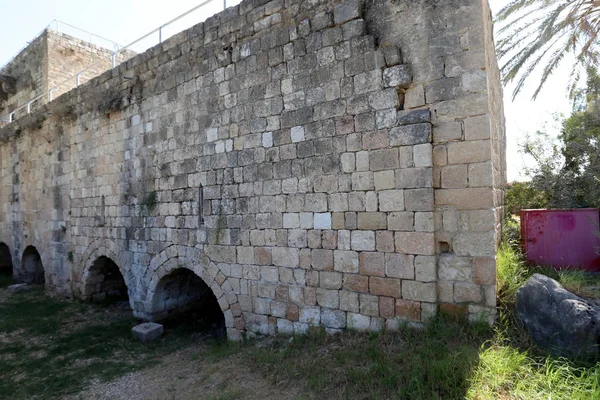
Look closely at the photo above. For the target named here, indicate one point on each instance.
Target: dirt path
(185, 375)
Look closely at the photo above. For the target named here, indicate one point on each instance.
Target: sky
(124, 21)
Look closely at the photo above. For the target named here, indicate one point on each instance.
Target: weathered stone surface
(281, 155)
(558, 320)
(147, 332)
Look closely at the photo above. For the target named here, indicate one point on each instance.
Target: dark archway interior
(105, 283)
(32, 269)
(6, 265)
(184, 300)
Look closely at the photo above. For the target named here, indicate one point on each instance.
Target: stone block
(322, 260)
(454, 176)
(477, 128)
(387, 307)
(330, 280)
(328, 298)
(408, 310)
(383, 159)
(423, 155)
(484, 270)
(285, 257)
(418, 243)
(391, 200)
(148, 331)
(399, 76)
(358, 322)
(369, 304)
(467, 292)
(322, 220)
(469, 152)
(447, 132)
(372, 264)
(333, 318)
(384, 241)
(384, 180)
(20, 287)
(465, 199)
(399, 266)
(481, 174)
(362, 241)
(454, 268)
(425, 268)
(400, 221)
(356, 283)
(389, 287)
(372, 221)
(419, 291)
(409, 135)
(347, 11)
(345, 261)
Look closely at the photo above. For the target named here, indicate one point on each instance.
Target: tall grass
(510, 365)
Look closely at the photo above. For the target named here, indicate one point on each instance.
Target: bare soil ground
(186, 375)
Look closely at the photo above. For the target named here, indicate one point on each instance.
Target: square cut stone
(148, 331)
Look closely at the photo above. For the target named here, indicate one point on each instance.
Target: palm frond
(536, 32)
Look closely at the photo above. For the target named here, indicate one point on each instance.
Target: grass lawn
(51, 347)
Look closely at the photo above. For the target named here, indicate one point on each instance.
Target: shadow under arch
(6, 264)
(182, 296)
(101, 255)
(32, 269)
(160, 304)
(104, 282)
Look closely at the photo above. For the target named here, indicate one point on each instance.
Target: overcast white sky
(126, 20)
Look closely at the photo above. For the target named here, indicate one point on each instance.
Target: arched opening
(6, 265)
(183, 299)
(32, 269)
(105, 283)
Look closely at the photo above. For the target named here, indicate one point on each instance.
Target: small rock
(148, 331)
(19, 287)
(558, 320)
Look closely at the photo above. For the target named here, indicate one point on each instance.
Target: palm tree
(542, 32)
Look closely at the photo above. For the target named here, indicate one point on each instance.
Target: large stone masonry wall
(313, 162)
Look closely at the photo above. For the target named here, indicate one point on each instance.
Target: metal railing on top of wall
(76, 79)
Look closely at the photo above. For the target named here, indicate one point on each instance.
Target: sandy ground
(185, 375)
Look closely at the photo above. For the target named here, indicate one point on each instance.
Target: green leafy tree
(568, 170)
(540, 33)
(523, 195)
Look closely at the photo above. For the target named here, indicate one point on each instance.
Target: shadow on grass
(52, 347)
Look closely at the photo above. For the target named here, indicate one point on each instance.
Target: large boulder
(558, 320)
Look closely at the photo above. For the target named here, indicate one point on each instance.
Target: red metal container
(562, 238)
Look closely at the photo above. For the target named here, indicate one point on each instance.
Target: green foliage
(150, 202)
(523, 195)
(539, 33)
(567, 171)
(70, 256)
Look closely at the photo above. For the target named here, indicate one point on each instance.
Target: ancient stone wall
(314, 162)
(53, 60)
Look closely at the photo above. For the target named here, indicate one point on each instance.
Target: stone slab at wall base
(314, 163)
(148, 331)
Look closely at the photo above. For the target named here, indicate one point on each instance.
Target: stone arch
(178, 257)
(32, 268)
(99, 250)
(6, 264)
(104, 281)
